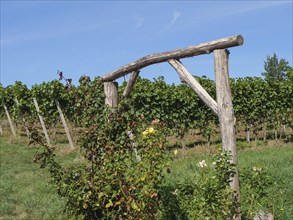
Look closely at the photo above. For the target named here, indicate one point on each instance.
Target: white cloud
(175, 16)
(138, 21)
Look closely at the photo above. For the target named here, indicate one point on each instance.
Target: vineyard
(129, 150)
(128, 137)
(263, 109)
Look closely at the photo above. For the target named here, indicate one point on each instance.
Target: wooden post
(191, 81)
(42, 122)
(10, 121)
(1, 130)
(225, 111)
(111, 92)
(130, 83)
(64, 124)
(23, 120)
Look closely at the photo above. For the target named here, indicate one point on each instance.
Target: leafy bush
(126, 160)
(207, 195)
(255, 183)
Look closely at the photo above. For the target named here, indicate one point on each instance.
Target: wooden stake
(23, 120)
(64, 124)
(192, 82)
(225, 110)
(10, 121)
(42, 122)
(130, 83)
(1, 130)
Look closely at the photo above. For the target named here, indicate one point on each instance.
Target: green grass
(277, 160)
(26, 193)
(279, 164)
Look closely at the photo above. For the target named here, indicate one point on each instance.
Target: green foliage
(114, 184)
(207, 195)
(86, 102)
(46, 93)
(276, 69)
(255, 183)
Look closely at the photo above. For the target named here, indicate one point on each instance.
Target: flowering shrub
(113, 184)
(207, 195)
(202, 164)
(255, 183)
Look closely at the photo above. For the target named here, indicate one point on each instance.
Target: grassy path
(24, 189)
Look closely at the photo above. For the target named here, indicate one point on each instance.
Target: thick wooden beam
(225, 110)
(130, 83)
(191, 51)
(192, 82)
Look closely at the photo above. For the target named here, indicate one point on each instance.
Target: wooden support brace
(64, 125)
(42, 122)
(192, 82)
(130, 83)
(9, 120)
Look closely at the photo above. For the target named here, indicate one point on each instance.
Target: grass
(279, 164)
(26, 192)
(277, 160)
(24, 188)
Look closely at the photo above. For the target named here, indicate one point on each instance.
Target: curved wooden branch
(191, 51)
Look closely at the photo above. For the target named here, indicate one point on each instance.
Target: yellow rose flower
(148, 131)
(151, 130)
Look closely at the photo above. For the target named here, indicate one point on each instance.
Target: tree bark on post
(42, 122)
(225, 111)
(64, 125)
(111, 93)
(10, 121)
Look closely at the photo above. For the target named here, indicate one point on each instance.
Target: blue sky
(96, 37)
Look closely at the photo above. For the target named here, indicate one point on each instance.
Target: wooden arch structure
(222, 106)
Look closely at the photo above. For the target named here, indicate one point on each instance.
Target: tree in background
(276, 69)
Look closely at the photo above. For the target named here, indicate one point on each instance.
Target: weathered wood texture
(64, 125)
(111, 93)
(130, 83)
(23, 120)
(225, 109)
(192, 82)
(191, 51)
(1, 130)
(42, 122)
(9, 120)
